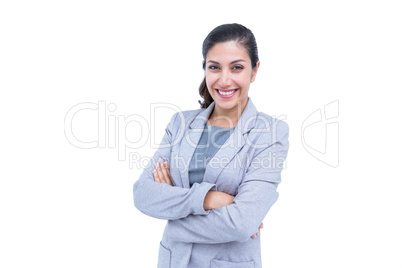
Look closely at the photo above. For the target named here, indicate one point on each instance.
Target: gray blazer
(247, 166)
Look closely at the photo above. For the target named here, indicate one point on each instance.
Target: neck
(227, 118)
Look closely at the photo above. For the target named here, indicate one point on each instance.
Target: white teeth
(226, 92)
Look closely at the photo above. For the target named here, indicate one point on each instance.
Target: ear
(255, 70)
(203, 64)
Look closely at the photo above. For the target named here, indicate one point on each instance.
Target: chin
(228, 104)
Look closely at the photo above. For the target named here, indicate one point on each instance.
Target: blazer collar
(244, 125)
(188, 145)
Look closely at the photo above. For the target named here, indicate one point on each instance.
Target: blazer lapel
(233, 144)
(190, 141)
(225, 154)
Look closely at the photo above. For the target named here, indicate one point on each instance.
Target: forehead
(227, 51)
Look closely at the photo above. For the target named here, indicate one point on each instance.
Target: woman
(215, 174)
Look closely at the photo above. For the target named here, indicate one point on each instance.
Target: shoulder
(262, 123)
(264, 120)
(268, 130)
(268, 124)
(186, 116)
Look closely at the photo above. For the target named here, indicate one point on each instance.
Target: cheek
(243, 80)
(211, 80)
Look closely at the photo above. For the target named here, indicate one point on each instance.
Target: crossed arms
(201, 215)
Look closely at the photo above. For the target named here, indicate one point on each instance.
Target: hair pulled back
(225, 33)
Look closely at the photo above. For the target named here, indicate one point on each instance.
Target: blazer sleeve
(163, 201)
(256, 194)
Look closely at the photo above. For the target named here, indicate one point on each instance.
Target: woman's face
(228, 73)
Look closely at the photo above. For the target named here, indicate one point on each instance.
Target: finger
(160, 173)
(156, 177)
(262, 225)
(256, 234)
(166, 173)
(167, 167)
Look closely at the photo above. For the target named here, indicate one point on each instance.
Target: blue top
(212, 138)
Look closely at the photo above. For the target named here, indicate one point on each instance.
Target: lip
(226, 90)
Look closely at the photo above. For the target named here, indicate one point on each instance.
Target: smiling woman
(215, 174)
(229, 72)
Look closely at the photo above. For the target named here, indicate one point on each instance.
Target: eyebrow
(233, 62)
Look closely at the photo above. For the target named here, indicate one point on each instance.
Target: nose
(225, 79)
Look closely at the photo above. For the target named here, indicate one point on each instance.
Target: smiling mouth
(226, 93)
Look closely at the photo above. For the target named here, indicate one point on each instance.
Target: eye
(238, 67)
(213, 67)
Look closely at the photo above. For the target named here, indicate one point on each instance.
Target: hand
(257, 233)
(215, 199)
(162, 173)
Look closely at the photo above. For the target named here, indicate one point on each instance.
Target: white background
(62, 206)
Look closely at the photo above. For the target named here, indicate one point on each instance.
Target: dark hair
(225, 33)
